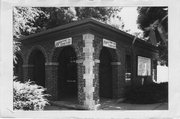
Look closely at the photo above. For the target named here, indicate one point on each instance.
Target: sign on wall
(63, 42)
(109, 44)
(144, 66)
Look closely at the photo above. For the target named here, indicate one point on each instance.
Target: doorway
(37, 59)
(105, 74)
(67, 74)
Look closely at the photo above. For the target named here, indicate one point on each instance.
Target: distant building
(87, 60)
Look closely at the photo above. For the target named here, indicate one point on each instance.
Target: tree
(63, 15)
(24, 19)
(56, 16)
(154, 23)
(100, 13)
(26, 96)
(28, 20)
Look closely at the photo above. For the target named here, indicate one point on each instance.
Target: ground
(108, 105)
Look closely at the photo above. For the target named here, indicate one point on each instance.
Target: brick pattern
(30, 72)
(78, 45)
(120, 72)
(25, 73)
(116, 65)
(81, 83)
(97, 44)
(88, 62)
(117, 69)
(51, 71)
(51, 54)
(96, 83)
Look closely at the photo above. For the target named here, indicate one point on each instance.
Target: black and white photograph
(90, 58)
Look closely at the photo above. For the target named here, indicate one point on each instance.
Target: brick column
(96, 81)
(28, 72)
(88, 76)
(51, 69)
(81, 81)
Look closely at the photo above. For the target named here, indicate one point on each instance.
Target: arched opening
(37, 67)
(105, 74)
(18, 70)
(67, 74)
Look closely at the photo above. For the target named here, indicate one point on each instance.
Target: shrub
(150, 93)
(28, 96)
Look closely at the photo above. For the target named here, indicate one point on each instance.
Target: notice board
(144, 66)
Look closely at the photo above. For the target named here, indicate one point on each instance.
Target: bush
(28, 96)
(151, 93)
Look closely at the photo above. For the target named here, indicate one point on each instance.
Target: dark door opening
(37, 59)
(67, 74)
(105, 74)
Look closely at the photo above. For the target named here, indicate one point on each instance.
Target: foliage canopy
(156, 19)
(28, 20)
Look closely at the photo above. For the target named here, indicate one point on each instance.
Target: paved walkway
(107, 105)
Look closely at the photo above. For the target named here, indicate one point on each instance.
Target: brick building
(87, 60)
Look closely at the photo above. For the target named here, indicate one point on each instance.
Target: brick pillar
(51, 69)
(96, 81)
(81, 81)
(28, 72)
(88, 76)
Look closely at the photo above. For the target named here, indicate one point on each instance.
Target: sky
(129, 17)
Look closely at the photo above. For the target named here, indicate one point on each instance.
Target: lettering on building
(109, 44)
(63, 42)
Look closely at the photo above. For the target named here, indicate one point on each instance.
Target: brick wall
(51, 72)
(46, 45)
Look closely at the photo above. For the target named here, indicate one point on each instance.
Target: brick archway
(53, 64)
(115, 72)
(77, 46)
(105, 74)
(115, 64)
(36, 66)
(112, 66)
(36, 47)
(67, 73)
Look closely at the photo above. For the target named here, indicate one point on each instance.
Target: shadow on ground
(107, 104)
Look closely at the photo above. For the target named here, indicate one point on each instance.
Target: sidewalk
(108, 105)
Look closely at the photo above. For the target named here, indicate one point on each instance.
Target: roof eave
(85, 21)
